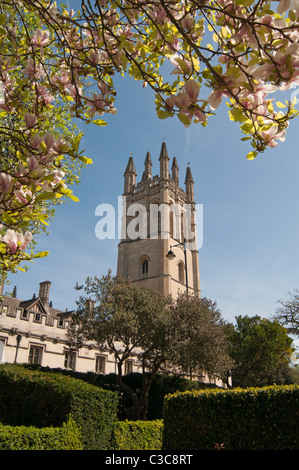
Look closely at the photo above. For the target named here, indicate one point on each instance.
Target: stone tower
(158, 247)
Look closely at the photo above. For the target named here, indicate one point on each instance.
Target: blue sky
(249, 258)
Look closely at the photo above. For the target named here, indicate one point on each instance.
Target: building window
(4, 309)
(2, 345)
(101, 364)
(24, 315)
(35, 355)
(181, 270)
(37, 317)
(144, 267)
(70, 360)
(128, 367)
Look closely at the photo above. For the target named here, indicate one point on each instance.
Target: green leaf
(244, 3)
(45, 196)
(184, 119)
(2, 18)
(87, 161)
(99, 122)
(280, 104)
(41, 254)
(251, 155)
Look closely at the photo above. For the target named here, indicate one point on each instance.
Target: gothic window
(144, 263)
(181, 269)
(155, 225)
(171, 223)
(182, 227)
(145, 267)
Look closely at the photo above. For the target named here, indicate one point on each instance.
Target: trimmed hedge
(67, 437)
(39, 399)
(138, 435)
(239, 419)
(162, 385)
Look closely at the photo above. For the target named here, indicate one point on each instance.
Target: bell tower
(158, 247)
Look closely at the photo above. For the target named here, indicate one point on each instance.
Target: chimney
(44, 291)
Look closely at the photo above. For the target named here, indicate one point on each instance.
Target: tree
(58, 65)
(130, 322)
(199, 344)
(261, 350)
(141, 324)
(288, 314)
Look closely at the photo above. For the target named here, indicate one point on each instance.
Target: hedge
(138, 435)
(162, 385)
(67, 437)
(239, 419)
(39, 399)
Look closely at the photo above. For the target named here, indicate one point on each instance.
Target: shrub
(238, 419)
(138, 435)
(40, 399)
(67, 437)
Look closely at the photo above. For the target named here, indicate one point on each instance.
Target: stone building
(33, 331)
(157, 249)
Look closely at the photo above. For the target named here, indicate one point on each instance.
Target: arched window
(143, 266)
(171, 222)
(181, 272)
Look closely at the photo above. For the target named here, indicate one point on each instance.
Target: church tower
(158, 247)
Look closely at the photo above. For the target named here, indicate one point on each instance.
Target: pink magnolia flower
(6, 183)
(33, 69)
(283, 6)
(24, 196)
(33, 164)
(16, 240)
(215, 99)
(49, 141)
(62, 80)
(182, 65)
(40, 38)
(192, 89)
(30, 120)
(188, 22)
(36, 141)
(44, 95)
(272, 134)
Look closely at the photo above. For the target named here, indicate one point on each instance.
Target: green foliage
(261, 350)
(66, 437)
(138, 435)
(238, 419)
(34, 398)
(162, 385)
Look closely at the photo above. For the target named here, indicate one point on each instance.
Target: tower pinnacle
(164, 162)
(147, 174)
(130, 176)
(189, 184)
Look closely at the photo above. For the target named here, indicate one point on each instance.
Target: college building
(158, 250)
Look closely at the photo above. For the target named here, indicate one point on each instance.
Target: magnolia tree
(57, 66)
